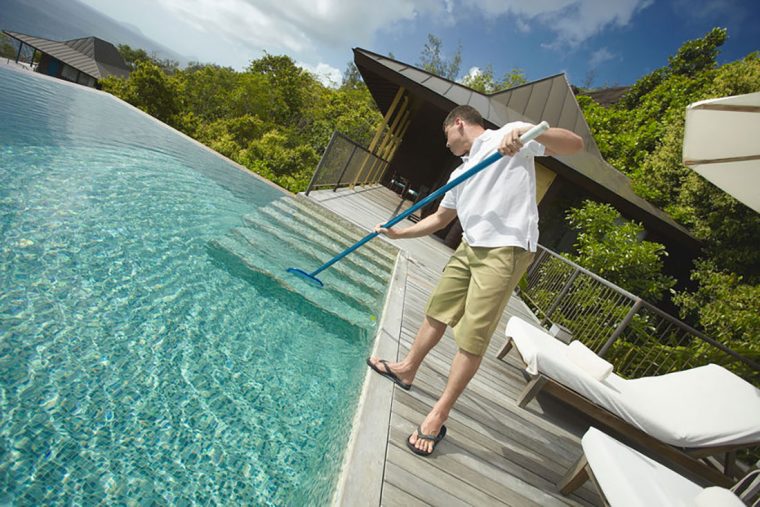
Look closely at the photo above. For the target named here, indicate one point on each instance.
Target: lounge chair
(686, 417)
(625, 477)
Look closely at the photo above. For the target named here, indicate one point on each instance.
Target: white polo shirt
(497, 207)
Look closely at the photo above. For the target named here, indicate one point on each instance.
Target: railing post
(621, 327)
(321, 162)
(536, 262)
(561, 295)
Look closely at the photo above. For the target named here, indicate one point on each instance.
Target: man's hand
(390, 233)
(511, 143)
(428, 225)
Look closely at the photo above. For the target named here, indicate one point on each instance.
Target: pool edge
(361, 477)
(88, 89)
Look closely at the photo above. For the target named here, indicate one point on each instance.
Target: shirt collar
(485, 136)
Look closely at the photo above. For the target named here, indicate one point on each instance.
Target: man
(499, 216)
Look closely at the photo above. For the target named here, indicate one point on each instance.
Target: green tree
(643, 136)
(432, 60)
(149, 89)
(514, 77)
(728, 228)
(698, 55)
(279, 158)
(610, 247)
(256, 94)
(293, 84)
(229, 136)
(629, 135)
(350, 111)
(352, 78)
(7, 49)
(133, 56)
(275, 118)
(208, 90)
(484, 81)
(727, 308)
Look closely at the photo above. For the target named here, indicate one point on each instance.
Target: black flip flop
(434, 438)
(387, 373)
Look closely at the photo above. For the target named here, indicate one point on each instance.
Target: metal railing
(345, 163)
(21, 64)
(635, 336)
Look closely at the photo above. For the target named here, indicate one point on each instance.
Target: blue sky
(596, 42)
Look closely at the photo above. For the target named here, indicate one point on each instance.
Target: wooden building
(415, 103)
(84, 61)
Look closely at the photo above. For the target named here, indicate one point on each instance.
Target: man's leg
(463, 368)
(428, 336)
(446, 304)
(494, 272)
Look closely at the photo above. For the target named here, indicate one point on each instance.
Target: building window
(86, 80)
(69, 73)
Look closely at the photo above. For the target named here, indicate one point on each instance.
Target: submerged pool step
(339, 303)
(233, 254)
(345, 273)
(314, 229)
(305, 211)
(304, 256)
(323, 247)
(295, 232)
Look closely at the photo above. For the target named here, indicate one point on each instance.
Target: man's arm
(557, 141)
(428, 225)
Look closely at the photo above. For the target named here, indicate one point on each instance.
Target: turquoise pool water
(137, 365)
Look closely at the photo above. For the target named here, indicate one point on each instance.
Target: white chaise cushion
(700, 407)
(715, 496)
(587, 360)
(630, 479)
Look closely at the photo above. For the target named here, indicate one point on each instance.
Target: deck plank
(495, 453)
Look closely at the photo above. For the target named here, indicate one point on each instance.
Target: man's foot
(428, 442)
(427, 435)
(382, 367)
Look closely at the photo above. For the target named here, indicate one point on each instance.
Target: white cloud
(719, 12)
(473, 73)
(573, 21)
(327, 74)
(233, 32)
(307, 29)
(297, 26)
(600, 56)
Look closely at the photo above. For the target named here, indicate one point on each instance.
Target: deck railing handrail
(621, 326)
(346, 163)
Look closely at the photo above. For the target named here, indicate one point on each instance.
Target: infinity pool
(137, 365)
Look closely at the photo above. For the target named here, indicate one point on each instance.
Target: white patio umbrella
(722, 143)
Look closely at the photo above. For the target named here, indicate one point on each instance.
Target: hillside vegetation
(276, 119)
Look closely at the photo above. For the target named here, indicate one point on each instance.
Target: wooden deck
(495, 453)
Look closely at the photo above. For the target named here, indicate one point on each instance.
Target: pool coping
(361, 477)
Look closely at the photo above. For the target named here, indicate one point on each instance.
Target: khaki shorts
(473, 291)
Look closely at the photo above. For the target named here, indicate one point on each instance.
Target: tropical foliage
(274, 118)
(433, 61)
(642, 135)
(483, 80)
(610, 247)
(7, 50)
